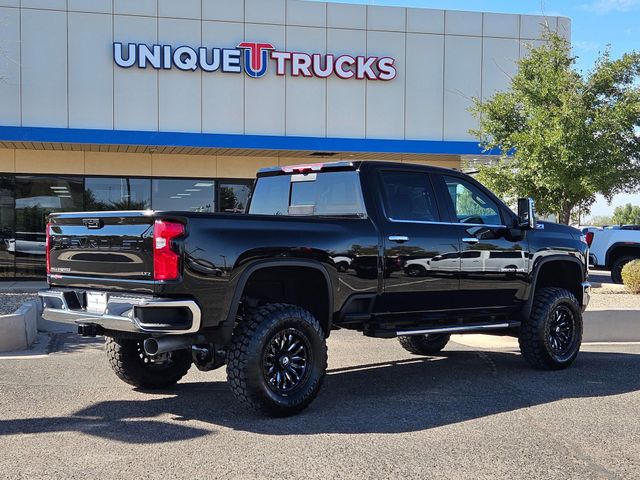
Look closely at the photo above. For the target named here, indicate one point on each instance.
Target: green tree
(627, 215)
(563, 136)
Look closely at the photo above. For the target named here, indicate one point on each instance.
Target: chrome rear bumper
(122, 312)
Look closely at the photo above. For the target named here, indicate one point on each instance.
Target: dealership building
(121, 104)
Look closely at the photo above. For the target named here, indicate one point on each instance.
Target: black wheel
(415, 270)
(133, 366)
(342, 266)
(277, 359)
(424, 344)
(618, 265)
(550, 339)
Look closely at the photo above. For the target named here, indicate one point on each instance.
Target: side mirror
(526, 214)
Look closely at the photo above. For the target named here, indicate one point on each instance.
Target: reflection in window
(37, 197)
(234, 197)
(328, 193)
(184, 195)
(117, 194)
(7, 226)
(470, 204)
(271, 196)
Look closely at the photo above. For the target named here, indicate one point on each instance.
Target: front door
(421, 254)
(493, 263)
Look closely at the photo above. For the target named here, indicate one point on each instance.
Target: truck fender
(241, 283)
(526, 309)
(634, 245)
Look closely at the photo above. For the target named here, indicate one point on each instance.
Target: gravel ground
(613, 299)
(10, 302)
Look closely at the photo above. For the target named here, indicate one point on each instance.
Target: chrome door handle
(471, 240)
(398, 238)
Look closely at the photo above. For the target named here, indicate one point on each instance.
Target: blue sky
(595, 24)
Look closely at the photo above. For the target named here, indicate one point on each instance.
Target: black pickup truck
(391, 250)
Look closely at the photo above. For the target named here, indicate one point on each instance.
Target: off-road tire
(618, 265)
(415, 271)
(535, 332)
(247, 356)
(424, 344)
(127, 359)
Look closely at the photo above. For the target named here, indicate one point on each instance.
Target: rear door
(421, 257)
(494, 265)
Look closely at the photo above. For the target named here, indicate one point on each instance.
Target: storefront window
(7, 227)
(27, 200)
(36, 197)
(117, 194)
(234, 196)
(196, 195)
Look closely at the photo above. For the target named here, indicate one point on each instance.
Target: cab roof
(342, 165)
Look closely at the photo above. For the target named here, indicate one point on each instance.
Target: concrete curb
(611, 325)
(606, 326)
(19, 330)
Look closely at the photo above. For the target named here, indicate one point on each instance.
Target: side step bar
(459, 329)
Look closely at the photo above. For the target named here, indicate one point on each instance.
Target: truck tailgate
(105, 246)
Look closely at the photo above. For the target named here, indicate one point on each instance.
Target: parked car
(469, 261)
(612, 248)
(261, 292)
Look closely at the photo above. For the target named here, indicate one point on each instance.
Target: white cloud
(607, 6)
(585, 46)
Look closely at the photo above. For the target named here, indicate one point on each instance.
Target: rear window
(326, 193)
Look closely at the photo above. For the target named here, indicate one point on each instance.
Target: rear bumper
(124, 313)
(586, 295)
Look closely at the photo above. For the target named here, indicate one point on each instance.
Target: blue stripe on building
(216, 140)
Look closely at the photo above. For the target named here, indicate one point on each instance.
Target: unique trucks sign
(254, 58)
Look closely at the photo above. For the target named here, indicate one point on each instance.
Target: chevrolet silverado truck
(322, 247)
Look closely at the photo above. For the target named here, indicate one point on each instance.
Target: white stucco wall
(57, 69)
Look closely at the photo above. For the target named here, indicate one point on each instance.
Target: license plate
(96, 302)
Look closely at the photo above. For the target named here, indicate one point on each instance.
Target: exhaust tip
(151, 346)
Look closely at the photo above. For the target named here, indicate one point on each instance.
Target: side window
(409, 196)
(471, 205)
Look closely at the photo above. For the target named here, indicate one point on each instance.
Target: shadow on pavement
(71, 342)
(392, 397)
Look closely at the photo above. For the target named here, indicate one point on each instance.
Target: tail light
(588, 237)
(47, 247)
(166, 260)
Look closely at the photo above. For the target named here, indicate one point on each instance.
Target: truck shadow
(390, 397)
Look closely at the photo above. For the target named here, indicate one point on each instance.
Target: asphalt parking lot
(468, 413)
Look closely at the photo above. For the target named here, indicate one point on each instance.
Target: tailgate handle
(93, 223)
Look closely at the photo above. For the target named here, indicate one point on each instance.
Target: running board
(458, 329)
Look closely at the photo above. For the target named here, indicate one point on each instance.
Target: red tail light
(589, 238)
(166, 261)
(47, 247)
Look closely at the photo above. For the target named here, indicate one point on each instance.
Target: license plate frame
(96, 302)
